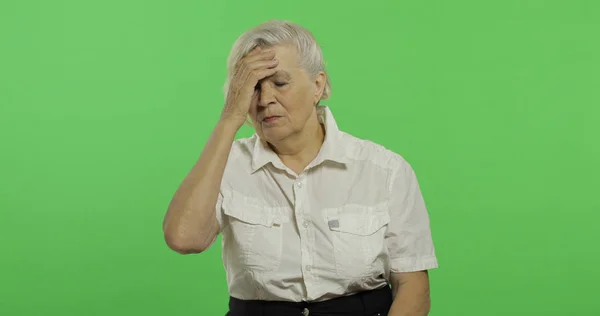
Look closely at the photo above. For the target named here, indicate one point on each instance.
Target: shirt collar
(332, 149)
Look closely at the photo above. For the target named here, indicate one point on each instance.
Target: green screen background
(105, 106)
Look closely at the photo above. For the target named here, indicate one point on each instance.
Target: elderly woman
(314, 221)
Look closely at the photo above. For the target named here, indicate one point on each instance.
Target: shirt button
(306, 224)
(305, 312)
(307, 268)
(299, 184)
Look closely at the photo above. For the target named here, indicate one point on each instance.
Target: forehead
(282, 74)
(287, 56)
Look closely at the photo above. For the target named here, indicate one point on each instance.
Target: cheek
(299, 113)
(253, 110)
(296, 99)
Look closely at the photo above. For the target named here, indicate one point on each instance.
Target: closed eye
(278, 84)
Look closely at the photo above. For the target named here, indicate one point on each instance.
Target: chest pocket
(358, 233)
(254, 232)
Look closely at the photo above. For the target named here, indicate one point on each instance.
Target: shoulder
(367, 151)
(239, 162)
(242, 148)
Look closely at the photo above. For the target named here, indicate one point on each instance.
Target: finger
(263, 64)
(248, 66)
(262, 55)
(255, 51)
(246, 70)
(263, 73)
(243, 63)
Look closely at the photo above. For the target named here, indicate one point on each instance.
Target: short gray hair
(276, 32)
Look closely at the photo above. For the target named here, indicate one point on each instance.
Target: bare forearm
(409, 303)
(190, 222)
(411, 294)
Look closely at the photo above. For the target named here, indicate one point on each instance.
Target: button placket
(305, 236)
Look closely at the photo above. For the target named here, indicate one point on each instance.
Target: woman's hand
(255, 66)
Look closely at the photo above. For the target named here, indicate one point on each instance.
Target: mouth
(270, 119)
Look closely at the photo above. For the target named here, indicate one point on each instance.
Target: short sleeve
(219, 211)
(219, 216)
(408, 237)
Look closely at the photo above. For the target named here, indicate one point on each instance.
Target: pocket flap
(357, 219)
(251, 210)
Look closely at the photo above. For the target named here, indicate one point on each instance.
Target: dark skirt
(368, 303)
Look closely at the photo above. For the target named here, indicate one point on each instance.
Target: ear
(320, 80)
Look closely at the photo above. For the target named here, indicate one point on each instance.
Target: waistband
(368, 303)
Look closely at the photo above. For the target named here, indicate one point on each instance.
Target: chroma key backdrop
(106, 105)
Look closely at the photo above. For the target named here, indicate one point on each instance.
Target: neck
(298, 150)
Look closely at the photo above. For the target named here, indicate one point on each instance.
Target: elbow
(184, 246)
(188, 239)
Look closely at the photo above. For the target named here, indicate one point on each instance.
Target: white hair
(278, 32)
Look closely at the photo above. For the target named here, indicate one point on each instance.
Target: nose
(266, 95)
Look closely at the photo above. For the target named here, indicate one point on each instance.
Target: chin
(274, 134)
(273, 137)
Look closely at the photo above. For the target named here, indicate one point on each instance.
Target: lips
(271, 118)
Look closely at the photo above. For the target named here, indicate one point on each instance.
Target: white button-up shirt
(354, 215)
